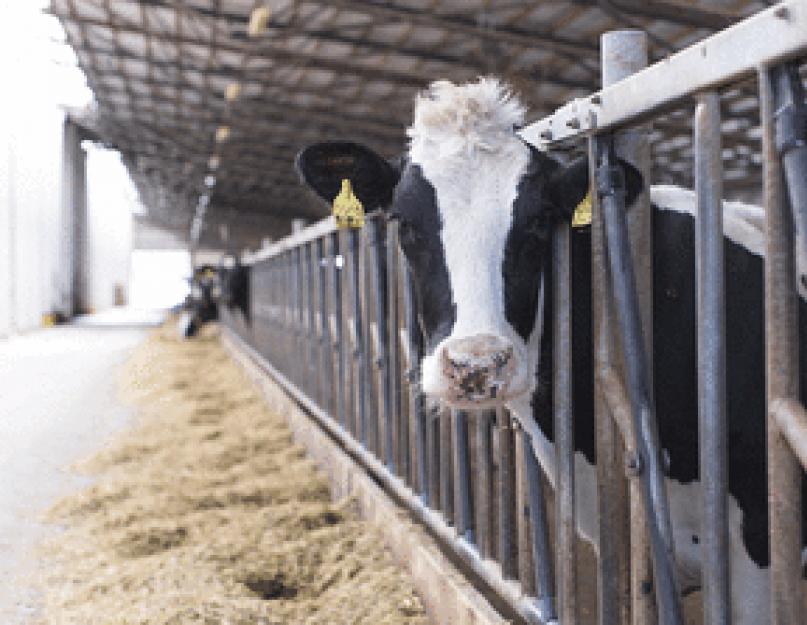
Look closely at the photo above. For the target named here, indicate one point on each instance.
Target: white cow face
(476, 208)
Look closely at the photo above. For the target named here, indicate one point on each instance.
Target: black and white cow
(476, 208)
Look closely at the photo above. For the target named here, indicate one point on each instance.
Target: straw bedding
(206, 512)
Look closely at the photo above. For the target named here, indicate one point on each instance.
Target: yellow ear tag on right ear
(347, 208)
(582, 214)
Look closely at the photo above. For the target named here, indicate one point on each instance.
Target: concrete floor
(57, 405)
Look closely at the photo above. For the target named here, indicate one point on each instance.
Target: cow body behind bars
(477, 208)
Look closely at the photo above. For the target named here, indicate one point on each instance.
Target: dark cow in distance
(477, 208)
(234, 280)
(201, 304)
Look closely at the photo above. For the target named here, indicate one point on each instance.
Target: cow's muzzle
(477, 368)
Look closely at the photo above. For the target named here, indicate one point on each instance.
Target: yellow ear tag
(347, 208)
(582, 214)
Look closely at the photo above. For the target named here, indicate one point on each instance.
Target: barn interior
(181, 151)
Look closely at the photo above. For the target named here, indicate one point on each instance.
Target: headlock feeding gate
(333, 320)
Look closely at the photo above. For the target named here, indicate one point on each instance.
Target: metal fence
(333, 321)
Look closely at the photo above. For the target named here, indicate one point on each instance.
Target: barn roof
(209, 109)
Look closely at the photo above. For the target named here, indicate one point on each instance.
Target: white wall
(39, 77)
(111, 202)
(30, 172)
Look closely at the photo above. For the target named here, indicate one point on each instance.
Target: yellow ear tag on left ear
(347, 208)
(582, 214)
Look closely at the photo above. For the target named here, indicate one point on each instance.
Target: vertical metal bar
(484, 484)
(301, 352)
(791, 143)
(446, 468)
(623, 53)
(426, 449)
(610, 188)
(371, 339)
(463, 503)
(288, 355)
(539, 526)
(526, 566)
(434, 453)
(313, 372)
(506, 496)
(378, 261)
(326, 376)
(337, 264)
(711, 321)
(614, 583)
(359, 354)
(782, 369)
(394, 342)
(564, 430)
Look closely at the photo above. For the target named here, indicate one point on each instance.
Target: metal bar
(719, 60)
(510, 593)
(314, 366)
(610, 187)
(446, 467)
(711, 322)
(337, 263)
(463, 503)
(625, 52)
(782, 375)
(612, 492)
(539, 539)
(300, 356)
(484, 484)
(791, 418)
(434, 453)
(564, 431)
(425, 449)
(372, 340)
(506, 494)
(393, 335)
(791, 143)
(357, 334)
(526, 566)
(325, 338)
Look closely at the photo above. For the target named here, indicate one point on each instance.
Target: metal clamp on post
(791, 129)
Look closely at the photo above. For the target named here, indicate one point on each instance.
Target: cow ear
(569, 185)
(323, 166)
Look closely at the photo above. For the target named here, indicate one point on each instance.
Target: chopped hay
(207, 512)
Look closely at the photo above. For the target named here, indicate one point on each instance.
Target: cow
(477, 208)
(234, 279)
(201, 304)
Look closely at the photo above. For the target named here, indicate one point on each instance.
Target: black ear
(568, 186)
(323, 166)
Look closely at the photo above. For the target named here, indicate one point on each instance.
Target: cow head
(476, 208)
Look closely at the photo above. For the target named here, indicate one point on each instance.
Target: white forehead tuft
(456, 120)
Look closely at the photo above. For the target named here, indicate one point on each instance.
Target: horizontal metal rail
(769, 37)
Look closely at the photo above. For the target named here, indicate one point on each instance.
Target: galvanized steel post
(711, 324)
(782, 369)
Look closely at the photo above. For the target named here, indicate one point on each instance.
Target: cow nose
(478, 367)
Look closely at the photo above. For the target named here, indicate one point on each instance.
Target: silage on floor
(207, 512)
